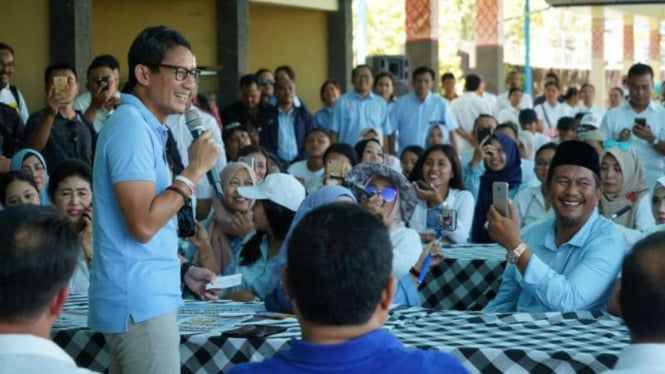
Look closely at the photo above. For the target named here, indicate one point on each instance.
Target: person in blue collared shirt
(286, 125)
(329, 93)
(135, 275)
(566, 263)
(640, 122)
(359, 109)
(416, 112)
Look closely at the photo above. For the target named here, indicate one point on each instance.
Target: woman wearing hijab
(387, 193)
(502, 164)
(624, 185)
(406, 292)
(230, 222)
(33, 163)
(656, 204)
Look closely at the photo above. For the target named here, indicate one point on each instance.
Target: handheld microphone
(620, 212)
(196, 127)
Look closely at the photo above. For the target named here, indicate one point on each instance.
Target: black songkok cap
(575, 152)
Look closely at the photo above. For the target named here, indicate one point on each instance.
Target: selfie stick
(428, 259)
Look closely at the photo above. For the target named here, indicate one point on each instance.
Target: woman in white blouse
(437, 180)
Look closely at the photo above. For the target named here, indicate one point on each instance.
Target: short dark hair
(361, 66)
(261, 71)
(642, 298)
(335, 273)
(527, 116)
(279, 218)
(248, 80)
(104, 61)
(565, 123)
(423, 70)
(457, 181)
(553, 83)
(446, 76)
(551, 145)
(231, 128)
(317, 129)
(639, 69)
(6, 47)
(253, 148)
(288, 70)
(552, 75)
(39, 251)
(344, 149)
(329, 81)
(619, 90)
(588, 85)
(58, 66)
(65, 169)
(572, 91)
(472, 82)
(7, 178)
(513, 90)
(361, 145)
(149, 48)
(512, 126)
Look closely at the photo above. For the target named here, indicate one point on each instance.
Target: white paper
(225, 281)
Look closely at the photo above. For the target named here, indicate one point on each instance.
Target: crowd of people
(405, 175)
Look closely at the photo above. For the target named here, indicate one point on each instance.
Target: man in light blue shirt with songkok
(565, 263)
(414, 114)
(359, 109)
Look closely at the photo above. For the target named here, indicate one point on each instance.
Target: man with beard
(568, 262)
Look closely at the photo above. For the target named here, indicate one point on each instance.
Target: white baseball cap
(590, 119)
(282, 189)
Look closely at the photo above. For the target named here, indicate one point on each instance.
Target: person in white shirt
(530, 202)
(615, 97)
(642, 304)
(511, 112)
(466, 109)
(528, 120)
(102, 97)
(640, 122)
(551, 110)
(587, 95)
(502, 101)
(438, 182)
(310, 171)
(571, 100)
(9, 94)
(34, 292)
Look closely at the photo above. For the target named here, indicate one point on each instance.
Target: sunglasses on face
(387, 193)
(610, 143)
(267, 82)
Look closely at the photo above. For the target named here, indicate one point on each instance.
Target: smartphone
(483, 133)
(441, 219)
(449, 220)
(253, 331)
(423, 185)
(500, 197)
(249, 160)
(641, 121)
(60, 87)
(334, 172)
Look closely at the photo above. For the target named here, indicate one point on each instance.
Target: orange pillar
(489, 43)
(628, 41)
(597, 74)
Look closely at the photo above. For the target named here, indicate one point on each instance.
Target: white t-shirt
(30, 354)
(530, 205)
(508, 114)
(406, 250)
(502, 101)
(550, 115)
(465, 110)
(310, 179)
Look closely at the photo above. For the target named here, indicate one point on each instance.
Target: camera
(102, 81)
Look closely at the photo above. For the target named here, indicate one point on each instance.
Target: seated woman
(437, 134)
(276, 201)
(230, 222)
(369, 150)
(70, 191)
(33, 163)
(387, 193)
(437, 180)
(406, 292)
(18, 187)
(530, 202)
(310, 171)
(261, 160)
(409, 158)
(502, 164)
(624, 185)
(376, 134)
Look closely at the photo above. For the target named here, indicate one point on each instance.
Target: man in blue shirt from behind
(564, 263)
(341, 289)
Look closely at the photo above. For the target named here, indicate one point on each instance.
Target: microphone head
(192, 119)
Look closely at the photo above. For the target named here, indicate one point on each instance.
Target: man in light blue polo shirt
(640, 122)
(359, 109)
(135, 275)
(415, 113)
(565, 263)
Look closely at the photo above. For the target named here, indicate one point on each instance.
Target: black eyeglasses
(181, 73)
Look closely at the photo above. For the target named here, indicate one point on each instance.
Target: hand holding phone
(641, 121)
(334, 173)
(500, 197)
(61, 88)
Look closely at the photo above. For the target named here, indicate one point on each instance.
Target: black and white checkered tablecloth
(488, 343)
(467, 279)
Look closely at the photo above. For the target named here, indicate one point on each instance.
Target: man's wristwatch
(514, 256)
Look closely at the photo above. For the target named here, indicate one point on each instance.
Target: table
(487, 343)
(467, 278)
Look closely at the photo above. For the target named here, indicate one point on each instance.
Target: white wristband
(188, 182)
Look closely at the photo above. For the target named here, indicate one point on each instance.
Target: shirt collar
(626, 105)
(16, 344)
(370, 96)
(353, 350)
(415, 97)
(150, 118)
(578, 239)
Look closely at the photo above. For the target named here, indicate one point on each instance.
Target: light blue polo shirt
(413, 118)
(129, 278)
(352, 114)
(287, 145)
